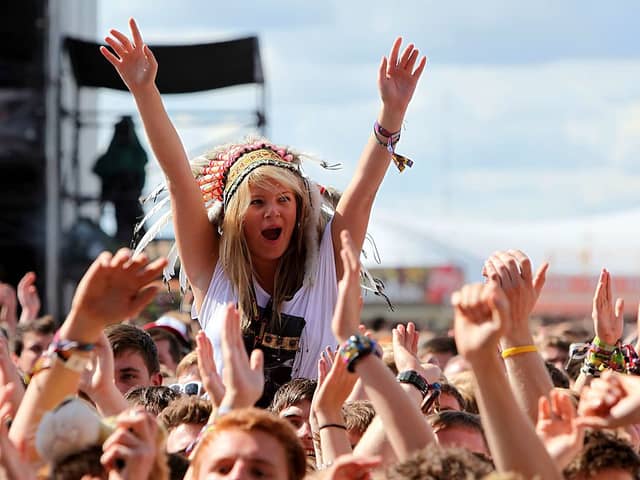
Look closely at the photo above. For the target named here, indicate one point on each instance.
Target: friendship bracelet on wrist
(392, 139)
(357, 347)
(332, 425)
(510, 352)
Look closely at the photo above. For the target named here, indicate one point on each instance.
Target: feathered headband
(219, 174)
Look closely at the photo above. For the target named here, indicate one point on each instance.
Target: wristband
(509, 352)
(357, 347)
(414, 378)
(332, 425)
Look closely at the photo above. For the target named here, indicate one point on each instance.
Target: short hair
(439, 345)
(559, 378)
(154, 398)
(465, 383)
(84, 462)
(441, 464)
(450, 389)
(256, 420)
(189, 360)
(292, 392)
(455, 418)
(185, 409)
(127, 338)
(602, 450)
(159, 334)
(45, 325)
(358, 415)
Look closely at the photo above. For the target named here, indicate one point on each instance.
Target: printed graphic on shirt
(279, 350)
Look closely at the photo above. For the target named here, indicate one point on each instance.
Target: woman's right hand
(133, 59)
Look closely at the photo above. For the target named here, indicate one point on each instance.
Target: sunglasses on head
(189, 388)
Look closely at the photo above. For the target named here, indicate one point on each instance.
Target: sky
(526, 120)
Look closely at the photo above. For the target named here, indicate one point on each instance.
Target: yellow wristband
(509, 352)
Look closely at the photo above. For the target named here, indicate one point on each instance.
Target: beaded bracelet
(356, 347)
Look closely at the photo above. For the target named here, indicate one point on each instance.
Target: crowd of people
(275, 376)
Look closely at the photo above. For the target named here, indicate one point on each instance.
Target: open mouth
(272, 233)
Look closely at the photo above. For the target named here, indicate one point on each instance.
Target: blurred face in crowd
(298, 416)
(191, 374)
(236, 454)
(555, 355)
(437, 358)
(164, 354)
(33, 345)
(465, 437)
(131, 371)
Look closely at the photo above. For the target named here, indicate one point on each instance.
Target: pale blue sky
(527, 111)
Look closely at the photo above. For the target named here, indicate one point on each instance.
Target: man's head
(441, 464)
(187, 369)
(604, 457)
(31, 340)
(169, 351)
(135, 357)
(450, 399)
(459, 429)
(249, 442)
(357, 414)
(438, 350)
(555, 350)
(292, 402)
(154, 399)
(183, 419)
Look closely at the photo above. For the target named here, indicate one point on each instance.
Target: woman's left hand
(398, 76)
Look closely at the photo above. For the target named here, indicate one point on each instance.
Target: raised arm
(481, 317)
(528, 376)
(113, 289)
(397, 80)
(608, 324)
(196, 237)
(407, 432)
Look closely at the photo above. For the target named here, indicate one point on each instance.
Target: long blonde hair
(234, 251)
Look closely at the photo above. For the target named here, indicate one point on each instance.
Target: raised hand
(28, 297)
(511, 270)
(561, 434)
(608, 319)
(611, 401)
(116, 288)
(481, 313)
(130, 451)
(405, 353)
(333, 391)
(8, 307)
(208, 371)
(133, 59)
(346, 316)
(243, 377)
(398, 76)
(9, 375)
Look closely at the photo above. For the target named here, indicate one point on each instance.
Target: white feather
(156, 208)
(153, 232)
(172, 258)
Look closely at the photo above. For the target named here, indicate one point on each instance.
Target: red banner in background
(573, 294)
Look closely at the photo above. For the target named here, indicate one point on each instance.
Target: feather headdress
(219, 174)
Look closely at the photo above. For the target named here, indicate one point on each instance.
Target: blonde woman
(249, 225)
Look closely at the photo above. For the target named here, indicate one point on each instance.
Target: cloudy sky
(528, 112)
